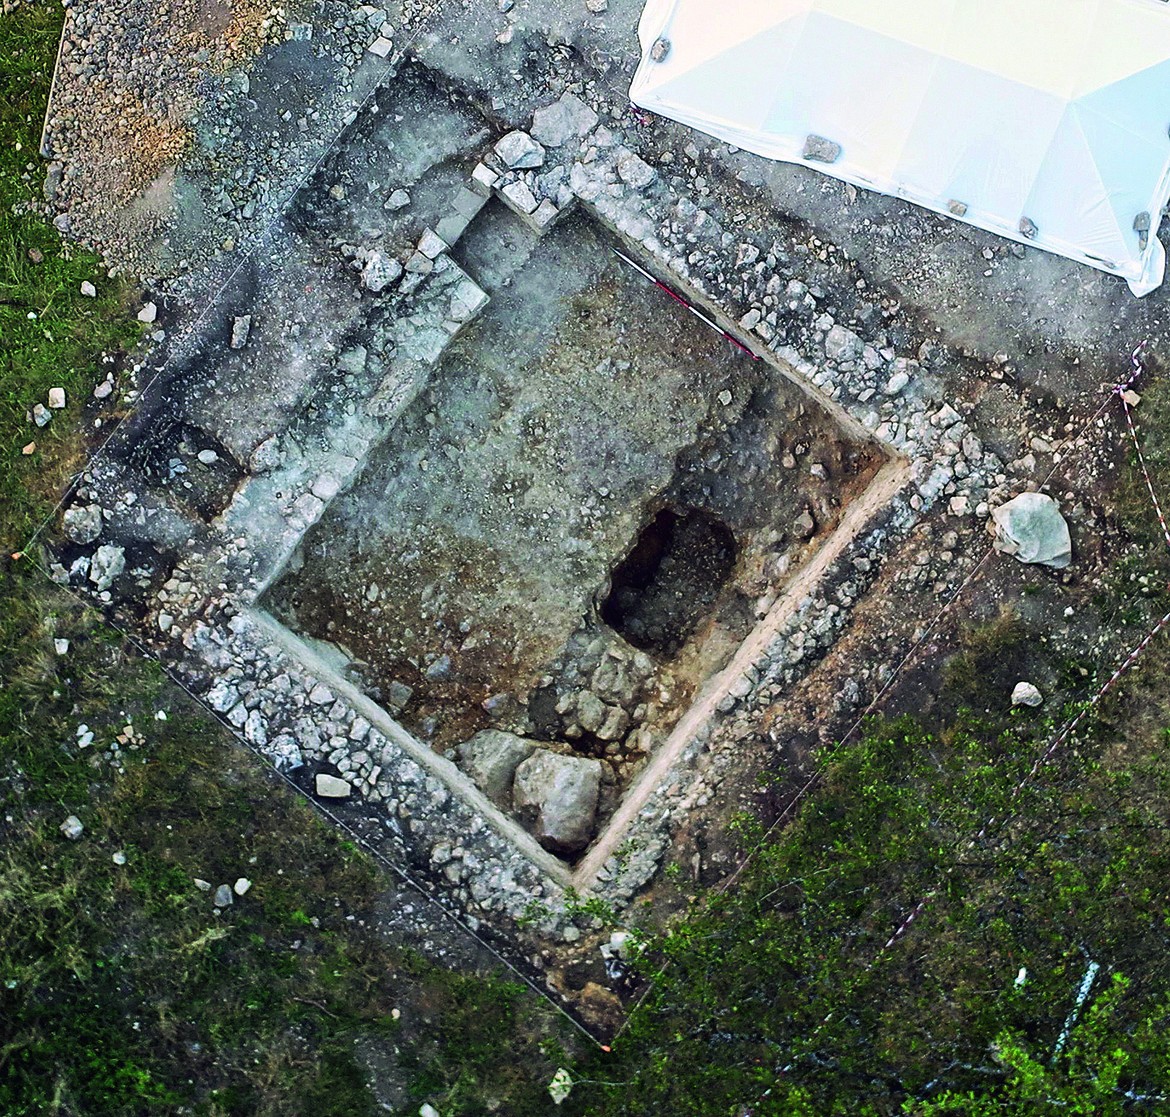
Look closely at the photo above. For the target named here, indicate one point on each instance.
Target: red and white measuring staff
(709, 322)
(1123, 393)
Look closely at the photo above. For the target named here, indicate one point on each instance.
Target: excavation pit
(666, 587)
(580, 518)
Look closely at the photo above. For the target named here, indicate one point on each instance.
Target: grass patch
(123, 990)
(991, 659)
(778, 999)
(54, 336)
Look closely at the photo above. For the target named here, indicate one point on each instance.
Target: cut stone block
(519, 198)
(483, 179)
(332, 787)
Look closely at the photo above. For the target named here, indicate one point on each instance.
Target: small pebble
(56, 398)
(88, 289)
(1026, 694)
(72, 828)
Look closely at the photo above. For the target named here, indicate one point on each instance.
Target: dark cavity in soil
(671, 580)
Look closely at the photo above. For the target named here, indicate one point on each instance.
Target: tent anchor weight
(709, 322)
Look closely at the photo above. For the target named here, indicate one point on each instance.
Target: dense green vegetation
(780, 997)
(122, 992)
(52, 335)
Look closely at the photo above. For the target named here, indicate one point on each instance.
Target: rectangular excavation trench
(595, 334)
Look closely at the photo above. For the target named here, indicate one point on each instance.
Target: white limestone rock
(107, 563)
(566, 119)
(556, 798)
(635, 171)
(519, 151)
(332, 787)
(1031, 528)
(1026, 694)
(82, 523)
(379, 272)
(241, 328)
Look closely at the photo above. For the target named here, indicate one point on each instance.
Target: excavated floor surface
(584, 425)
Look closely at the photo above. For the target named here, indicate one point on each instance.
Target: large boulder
(491, 758)
(564, 120)
(519, 151)
(1031, 528)
(107, 563)
(555, 796)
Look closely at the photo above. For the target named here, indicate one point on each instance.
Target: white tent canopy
(1041, 120)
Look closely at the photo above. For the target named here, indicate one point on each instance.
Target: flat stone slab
(564, 120)
(331, 787)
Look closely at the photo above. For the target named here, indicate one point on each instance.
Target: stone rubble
(293, 708)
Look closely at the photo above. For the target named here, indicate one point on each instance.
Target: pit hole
(670, 582)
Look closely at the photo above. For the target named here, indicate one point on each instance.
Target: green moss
(780, 996)
(988, 663)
